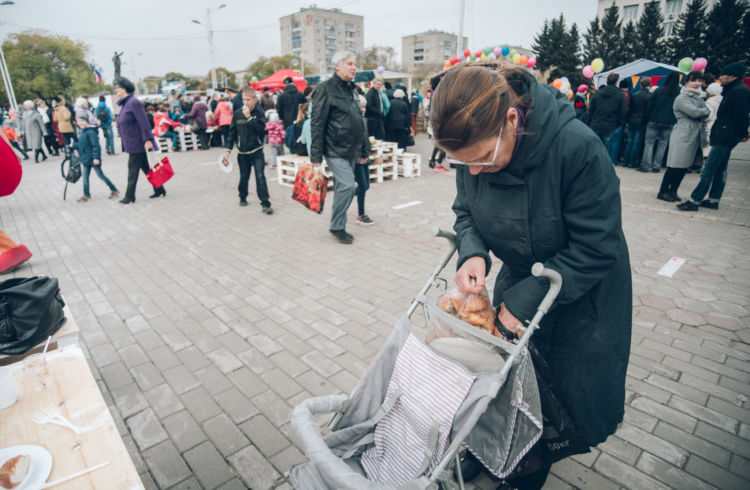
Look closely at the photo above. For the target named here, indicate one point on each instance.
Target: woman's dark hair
(672, 84)
(708, 78)
(694, 75)
(471, 103)
(124, 83)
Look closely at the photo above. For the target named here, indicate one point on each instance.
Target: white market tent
(635, 70)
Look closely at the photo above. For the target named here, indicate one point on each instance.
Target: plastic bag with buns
(475, 309)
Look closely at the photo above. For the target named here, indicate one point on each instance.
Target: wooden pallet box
(409, 165)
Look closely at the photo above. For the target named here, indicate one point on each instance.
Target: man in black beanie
(729, 129)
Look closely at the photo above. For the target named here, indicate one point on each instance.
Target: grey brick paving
(203, 345)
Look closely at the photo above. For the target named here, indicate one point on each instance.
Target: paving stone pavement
(205, 323)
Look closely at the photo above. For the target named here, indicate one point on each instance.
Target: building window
(668, 28)
(295, 25)
(296, 42)
(448, 46)
(673, 9)
(629, 13)
(418, 59)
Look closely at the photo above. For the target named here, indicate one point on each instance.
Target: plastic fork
(52, 415)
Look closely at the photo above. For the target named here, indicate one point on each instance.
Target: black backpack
(73, 173)
(101, 113)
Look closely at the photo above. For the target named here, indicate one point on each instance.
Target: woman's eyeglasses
(481, 164)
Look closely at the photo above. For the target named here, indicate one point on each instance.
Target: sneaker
(267, 210)
(709, 204)
(342, 236)
(664, 196)
(114, 194)
(364, 220)
(642, 169)
(83, 199)
(687, 206)
(442, 169)
(674, 197)
(243, 202)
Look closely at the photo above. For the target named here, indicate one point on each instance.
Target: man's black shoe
(709, 204)
(342, 236)
(664, 196)
(674, 197)
(655, 170)
(641, 169)
(243, 202)
(267, 210)
(687, 206)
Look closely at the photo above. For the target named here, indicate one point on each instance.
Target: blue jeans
(109, 139)
(606, 137)
(633, 148)
(98, 169)
(713, 175)
(613, 148)
(173, 135)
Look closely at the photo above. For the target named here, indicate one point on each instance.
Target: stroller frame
(321, 455)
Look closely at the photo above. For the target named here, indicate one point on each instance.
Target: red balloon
(479, 53)
(467, 53)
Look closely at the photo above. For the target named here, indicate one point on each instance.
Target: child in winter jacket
(90, 155)
(276, 133)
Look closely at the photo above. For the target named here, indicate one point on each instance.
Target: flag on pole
(97, 74)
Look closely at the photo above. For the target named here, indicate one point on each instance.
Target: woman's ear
(512, 117)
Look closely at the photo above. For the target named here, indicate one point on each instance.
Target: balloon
(531, 62)
(466, 53)
(380, 70)
(473, 56)
(513, 52)
(483, 57)
(453, 61)
(557, 83)
(524, 59)
(570, 95)
(479, 53)
(447, 64)
(505, 50)
(516, 58)
(254, 79)
(498, 51)
(597, 65)
(588, 72)
(487, 51)
(565, 90)
(685, 64)
(564, 79)
(699, 64)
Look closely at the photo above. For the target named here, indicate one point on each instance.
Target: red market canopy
(276, 81)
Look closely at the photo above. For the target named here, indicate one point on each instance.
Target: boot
(161, 191)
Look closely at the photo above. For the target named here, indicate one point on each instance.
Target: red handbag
(310, 187)
(160, 173)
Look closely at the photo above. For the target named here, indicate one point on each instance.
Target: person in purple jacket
(136, 135)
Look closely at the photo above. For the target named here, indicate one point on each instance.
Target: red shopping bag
(160, 173)
(310, 187)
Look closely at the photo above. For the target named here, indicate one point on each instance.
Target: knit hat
(288, 80)
(124, 83)
(714, 89)
(196, 98)
(582, 88)
(736, 69)
(399, 94)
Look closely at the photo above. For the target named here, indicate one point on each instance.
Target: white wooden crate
(287, 165)
(165, 144)
(409, 164)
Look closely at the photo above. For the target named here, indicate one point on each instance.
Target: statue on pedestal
(116, 61)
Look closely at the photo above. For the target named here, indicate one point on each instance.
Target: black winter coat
(337, 128)
(638, 104)
(607, 109)
(398, 117)
(558, 202)
(732, 117)
(287, 104)
(659, 109)
(247, 132)
(374, 107)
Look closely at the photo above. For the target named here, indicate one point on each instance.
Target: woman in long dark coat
(540, 187)
(398, 121)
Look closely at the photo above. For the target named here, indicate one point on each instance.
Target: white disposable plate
(225, 163)
(41, 464)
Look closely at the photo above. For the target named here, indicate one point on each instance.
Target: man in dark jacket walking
(374, 111)
(606, 113)
(661, 120)
(288, 102)
(729, 129)
(338, 132)
(247, 130)
(637, 124)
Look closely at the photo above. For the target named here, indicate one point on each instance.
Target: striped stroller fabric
(413, 436)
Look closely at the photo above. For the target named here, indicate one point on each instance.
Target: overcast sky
(158, 36)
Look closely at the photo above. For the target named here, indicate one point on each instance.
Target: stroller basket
(497, 415)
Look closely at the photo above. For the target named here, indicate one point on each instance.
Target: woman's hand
(148, 145)
(510, 322)
(470, 277)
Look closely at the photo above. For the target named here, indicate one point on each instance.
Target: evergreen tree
(650, 33)
(592, 42)
(558, 48)
(611, 38)
(688, 37)
(629, 42)
(724, 34)
(542, 48)
(745, 47)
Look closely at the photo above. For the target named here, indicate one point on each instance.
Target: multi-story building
(314, 35)
(428, 47)
(631, 10)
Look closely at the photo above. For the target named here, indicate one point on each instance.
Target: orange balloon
(524, 59)
(447, 64)
(557, 83)
(570, 95)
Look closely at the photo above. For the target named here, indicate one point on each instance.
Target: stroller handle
(555, 284)
(438, 232)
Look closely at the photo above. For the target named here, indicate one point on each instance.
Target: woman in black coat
(398, 120)
(540, 187)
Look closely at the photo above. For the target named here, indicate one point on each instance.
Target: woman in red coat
(11, 254)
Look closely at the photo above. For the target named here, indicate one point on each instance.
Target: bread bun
(458, 302)
(476, 302)
(445, 304)
(13, 471)
(479, 317)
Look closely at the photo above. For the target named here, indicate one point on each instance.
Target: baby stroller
(437, 384)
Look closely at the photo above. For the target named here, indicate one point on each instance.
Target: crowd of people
(690, 123)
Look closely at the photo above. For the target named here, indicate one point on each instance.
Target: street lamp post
(207, 25)
(6, 73)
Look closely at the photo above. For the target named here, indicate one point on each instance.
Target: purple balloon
(497, 50)
(380, 70)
